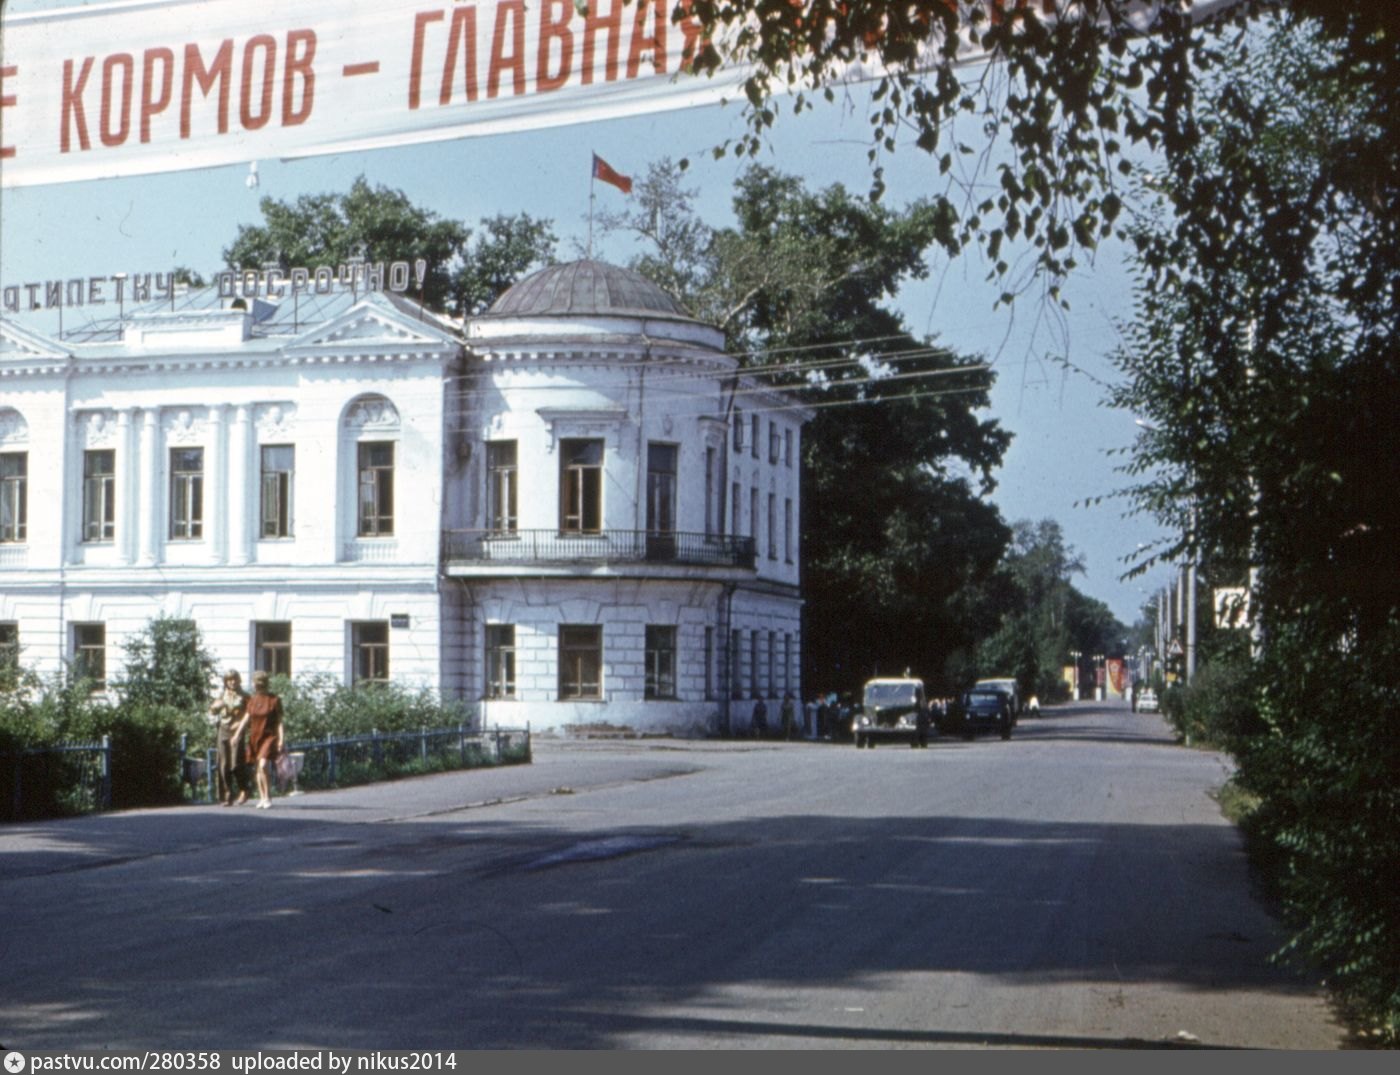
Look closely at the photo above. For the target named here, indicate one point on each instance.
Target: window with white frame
(14, 497)
(773, 662)
(736, 684)
(774, 442)
(186, 494)
(709, 664)
(787, 447)
(772, 526)
(272, 647)
(755, 668)
(580, 662)
(369, 652)
(500, 660)
(787, 529)
(502, 478)
(9, 652)
(275, 509)
(754, 425)
(736, 497)
(753, 517)
(99, 495)
(90, 653)
(660, 662)
(375, 459)
(738, 430)
(581, 486)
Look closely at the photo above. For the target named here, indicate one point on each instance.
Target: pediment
(375, 324)
(19, 344)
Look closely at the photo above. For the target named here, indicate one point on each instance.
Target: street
(1074, 887)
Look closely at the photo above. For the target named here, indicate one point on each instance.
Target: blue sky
(1063, 435)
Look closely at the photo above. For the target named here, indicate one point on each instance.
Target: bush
(318, 707)
(1218, 708)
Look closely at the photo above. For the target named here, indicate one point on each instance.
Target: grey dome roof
(585, 287)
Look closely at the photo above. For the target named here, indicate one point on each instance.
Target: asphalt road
(1074, 887)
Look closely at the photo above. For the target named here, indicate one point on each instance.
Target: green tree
(465, 273)
(1264, 355)
(167, 665)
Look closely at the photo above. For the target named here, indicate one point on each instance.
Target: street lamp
(1074, 655)
(1099, 675)
(1185, 608)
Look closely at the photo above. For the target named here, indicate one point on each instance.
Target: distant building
(572, 510)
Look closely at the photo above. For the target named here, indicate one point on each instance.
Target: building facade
(573, 510)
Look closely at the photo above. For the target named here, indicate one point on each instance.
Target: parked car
(1147, 701)
(892, 710)
(979, 710)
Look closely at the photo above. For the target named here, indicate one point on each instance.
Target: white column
(240, 504)
(215, 498)
(149, 518)
(128, 478)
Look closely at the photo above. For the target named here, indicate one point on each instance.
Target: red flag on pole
(604, 171)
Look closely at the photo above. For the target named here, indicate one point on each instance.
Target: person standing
(788, 713)
(227, 711)
(263, 716)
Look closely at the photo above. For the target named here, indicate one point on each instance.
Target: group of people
(250, 739)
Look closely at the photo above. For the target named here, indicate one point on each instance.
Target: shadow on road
(476, 932)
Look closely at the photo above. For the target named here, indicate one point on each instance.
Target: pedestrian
(758, 726)
(788, 712)
(266, 729)
(226, 712)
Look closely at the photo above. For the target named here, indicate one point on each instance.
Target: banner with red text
(134, 87)
(145, 86)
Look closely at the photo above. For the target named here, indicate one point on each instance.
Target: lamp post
(1099, 675)
(1074, 656)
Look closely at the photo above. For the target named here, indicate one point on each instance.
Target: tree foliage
(465, 272)
(1264, 354)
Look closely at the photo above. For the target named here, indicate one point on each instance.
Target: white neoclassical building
(574, 510)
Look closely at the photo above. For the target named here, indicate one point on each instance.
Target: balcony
(477, 547)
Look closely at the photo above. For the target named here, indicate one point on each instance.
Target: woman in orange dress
(263, 717)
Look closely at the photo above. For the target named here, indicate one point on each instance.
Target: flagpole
(590, 213)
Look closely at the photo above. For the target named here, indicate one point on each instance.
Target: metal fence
(362, 759)
(76, 778)
(600, 547)
(57, 780)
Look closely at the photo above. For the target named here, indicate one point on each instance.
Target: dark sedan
(979, 711)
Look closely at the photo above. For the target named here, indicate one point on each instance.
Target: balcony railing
(605, 546)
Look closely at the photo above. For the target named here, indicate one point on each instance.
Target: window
(753, 517)
(581, 486)
(754, 666)
(787, 663)
(186, 493)
(660, 662)
(14, 496)
(272, 648)
(736, 496)
(738, 430)
(772, 526)
(661, 488)
(787, 447)
(500, 660)
(369, 643)
(772, 662)
(787, 529)
(99, 495)
(376, 501)
(711, 484)
(90, 653)
(754, 423)
(709, 664)
(736, 685)
(775, 443)
(501, 478)
(580, 662)
(9, 652)
(277, 467)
